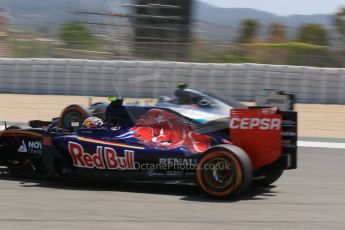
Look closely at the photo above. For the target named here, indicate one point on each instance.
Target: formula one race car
(198, 105)
(150, 143)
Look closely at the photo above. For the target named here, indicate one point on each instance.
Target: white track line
(328, 145)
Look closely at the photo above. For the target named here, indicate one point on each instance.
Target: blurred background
(54, 53)
(185, 30)
(289, 38)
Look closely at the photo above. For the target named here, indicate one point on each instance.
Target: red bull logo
(104, 158)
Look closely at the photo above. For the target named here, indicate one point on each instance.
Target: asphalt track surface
(312, 197)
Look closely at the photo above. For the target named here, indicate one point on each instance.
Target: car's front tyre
(73, 113)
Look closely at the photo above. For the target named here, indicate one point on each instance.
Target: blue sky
(283, 7)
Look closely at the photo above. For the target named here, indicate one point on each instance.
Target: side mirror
(204, 102)
(4, 126)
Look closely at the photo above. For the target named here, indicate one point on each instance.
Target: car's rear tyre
(224, 171)
(73, 113)
(270, 179)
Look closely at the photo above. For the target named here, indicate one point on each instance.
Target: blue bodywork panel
(155, 142)
(147, 134)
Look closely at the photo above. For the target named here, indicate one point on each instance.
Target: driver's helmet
(92, 123)
(184, 96)
(116, 101)
(182, 85)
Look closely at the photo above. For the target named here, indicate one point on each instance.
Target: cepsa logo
(255, 123)
(105, 158)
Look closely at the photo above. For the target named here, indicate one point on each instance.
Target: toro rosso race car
(149, 143)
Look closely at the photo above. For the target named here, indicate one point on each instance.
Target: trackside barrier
(151, 78)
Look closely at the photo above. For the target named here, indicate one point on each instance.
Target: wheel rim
(220, 174)
(218, 182)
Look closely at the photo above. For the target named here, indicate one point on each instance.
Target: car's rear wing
(290, 138)
(266, 134)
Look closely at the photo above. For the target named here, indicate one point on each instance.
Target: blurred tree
(248, 31)
(314, 34)
(43, 29)
(277, 33)
(339, 20)
(77, 36)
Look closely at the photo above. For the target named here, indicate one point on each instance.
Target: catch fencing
(147, 79)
